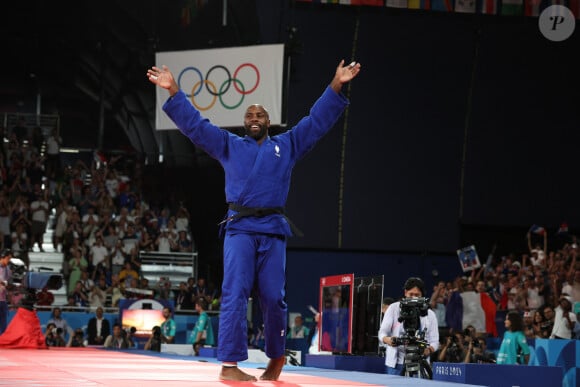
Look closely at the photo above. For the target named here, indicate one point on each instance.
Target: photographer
(155, 340)
(477, 352)
(78, 339)
(53, 336)
(118, 339)
(454, 350)
(130, 336)
(392, 328)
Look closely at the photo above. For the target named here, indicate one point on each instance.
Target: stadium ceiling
(86, 61)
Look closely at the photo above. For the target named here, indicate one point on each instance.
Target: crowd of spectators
(101, 220)
(540, 285)
(97, 211)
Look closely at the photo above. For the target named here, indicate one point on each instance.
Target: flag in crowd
(563, 229)
(535, 229)
(471, 308)
(531, 8)
(99, 158)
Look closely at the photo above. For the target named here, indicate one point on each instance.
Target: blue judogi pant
(248, 258)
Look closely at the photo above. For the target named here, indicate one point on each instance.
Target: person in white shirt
(163, 242)
(40, 210)
(572, 285)
(53, 143)
(392, 328)
(98, 252)
(565, 319)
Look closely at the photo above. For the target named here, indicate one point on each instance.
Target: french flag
(563, 229)
(535, 229)
(99, 157)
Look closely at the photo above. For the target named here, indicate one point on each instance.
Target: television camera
(413, 339)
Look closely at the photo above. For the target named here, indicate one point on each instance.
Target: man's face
(413, 292)
(548, 313)
(256, 122)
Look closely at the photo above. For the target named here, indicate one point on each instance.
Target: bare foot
(234, 373)
(274, 368)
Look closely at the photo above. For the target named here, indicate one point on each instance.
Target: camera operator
(392, 328)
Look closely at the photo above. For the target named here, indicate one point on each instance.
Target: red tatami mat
(96, 367)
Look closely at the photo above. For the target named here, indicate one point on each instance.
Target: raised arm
(572, 267)
(546, 243)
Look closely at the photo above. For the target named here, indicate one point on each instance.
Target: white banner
(223, 82)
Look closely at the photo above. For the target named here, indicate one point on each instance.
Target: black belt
(260, 212)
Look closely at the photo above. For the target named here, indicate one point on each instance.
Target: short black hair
(415, 282)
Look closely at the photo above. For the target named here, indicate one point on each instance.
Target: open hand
(162, 77)
(344, 74)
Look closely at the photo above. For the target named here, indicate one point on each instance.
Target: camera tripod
(417, 369)
(416, 365)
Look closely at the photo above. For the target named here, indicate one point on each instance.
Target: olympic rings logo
(225, 86)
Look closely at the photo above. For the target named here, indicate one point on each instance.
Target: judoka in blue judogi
(257, 179)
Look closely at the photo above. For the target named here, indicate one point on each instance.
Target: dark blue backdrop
(462, 130)
(434, 87)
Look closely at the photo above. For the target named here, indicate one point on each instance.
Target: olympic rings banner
(222, 82)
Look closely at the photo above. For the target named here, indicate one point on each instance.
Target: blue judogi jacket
(257, 175)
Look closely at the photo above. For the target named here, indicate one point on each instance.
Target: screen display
(336, 297)
(142, 319)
